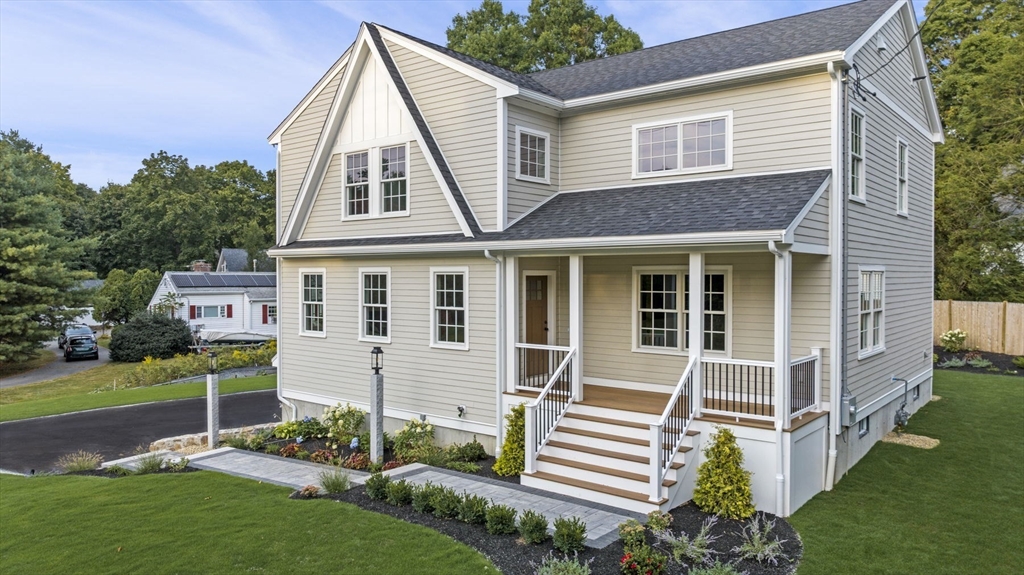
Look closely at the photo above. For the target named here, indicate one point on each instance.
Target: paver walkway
(602, 521)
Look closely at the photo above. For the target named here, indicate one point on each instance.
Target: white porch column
(576, 323)
(511, 322)
(696, 328)
(783, 319)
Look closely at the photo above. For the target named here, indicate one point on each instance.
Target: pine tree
(723, 486)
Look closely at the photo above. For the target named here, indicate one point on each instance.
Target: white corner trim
(791, 230)
(859, 43)
(502, 160)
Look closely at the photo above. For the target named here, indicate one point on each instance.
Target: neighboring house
(510, 238)
(222, 302)
(233, 260)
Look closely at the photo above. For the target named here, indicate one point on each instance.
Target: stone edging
(194, 440)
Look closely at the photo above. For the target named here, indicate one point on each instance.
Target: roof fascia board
(859, 43)
(899, 111)
(275, 136)
(791, 230)
(504, 88)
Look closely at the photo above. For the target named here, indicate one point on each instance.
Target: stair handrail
(665, 442)
(538, 431)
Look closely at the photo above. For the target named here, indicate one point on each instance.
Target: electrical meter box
(848, 410)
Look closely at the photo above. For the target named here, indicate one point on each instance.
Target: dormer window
(532, 155)
(376, 182)
(683, 145)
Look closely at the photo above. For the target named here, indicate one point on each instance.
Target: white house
(222, 302)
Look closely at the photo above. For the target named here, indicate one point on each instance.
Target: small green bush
(1019, 361)
(723, 486)
(643, 561)
(150, 335)
(696, 550)
(423, 497)
(335, 481)
(272, 449)
(79, 461)
(473, 509)
(552, 565)
(952, 363)
(399, 492)
(501, 519)
(570, 534)
(979, 363)
(119, 471)
(178, 465)
(467, 453)
(377, 486)
(658, 521)
(759, 544)
(717, 569)
(631, 533)
(149, 463)
(236, 441)
(513, 451)
(533, 527)
(258, 442)
(447, 503)
(415, 438)
(953, 341)
(302, 455)
(462, 466)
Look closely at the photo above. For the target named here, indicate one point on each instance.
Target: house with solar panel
(221, 307)
(730, 230)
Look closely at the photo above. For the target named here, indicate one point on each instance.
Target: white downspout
(499, 351)
(836, 338)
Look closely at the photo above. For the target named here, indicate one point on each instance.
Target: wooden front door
(537, 324)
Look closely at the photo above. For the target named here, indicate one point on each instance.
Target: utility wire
(907, 45)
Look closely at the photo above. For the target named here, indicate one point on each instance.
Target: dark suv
(74, 330)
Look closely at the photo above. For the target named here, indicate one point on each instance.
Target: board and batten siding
(902, 245)
(462, 115)
(297, 145)
(814, 227)
(524, 195)
(429, 211)
(781, 125)
(418, 378)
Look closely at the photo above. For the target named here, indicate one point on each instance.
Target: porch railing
(544, 412)
(804, 384)
(738, 387)
(537, 363)
(667, 435)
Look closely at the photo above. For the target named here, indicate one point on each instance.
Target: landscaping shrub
(149, 463)
(631, 533)
(447, 503)
(178, 465)
(343, 423)
(428, 455)
(952, 363)
(462, 466)
(322, 456)
(758, 543)
(552, 565)
(287, 429)
(399, 492)
(291, 450)
(533, 527)
(302, 455)
(467, 453)
(79, 461)
(723, 486)
(696, 550)
(414, 439)
(953, 340)
(150, 335)
(391, 465)
(570, 534)
(309, 492)
(513, 451)
(335, 481)
(359, 460)
(643, 561)
(310, 428)
(1019, 361)
(423, 497)
(119, 471)
(236, 441)
(377, 486)
(473, 509)
(979, 363)
(717, 569)
(658, 521)
(272, 449)
(501, 519)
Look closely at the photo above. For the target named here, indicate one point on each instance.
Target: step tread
(623, 493)
(619, 422)
(612, 454)
(602, 470)
(610, 437)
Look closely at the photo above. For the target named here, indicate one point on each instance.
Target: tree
(976, 58)
(554, 33)
(123, 296)
(723, 486)
(150, 335)
(38, 258)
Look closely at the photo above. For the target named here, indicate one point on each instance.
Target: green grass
(81, 401)
(43, 357)
(207, 522)
(958, 508)
(77, 383)
(103, 341)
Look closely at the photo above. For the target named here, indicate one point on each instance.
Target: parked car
(75, 330)
(81, 346)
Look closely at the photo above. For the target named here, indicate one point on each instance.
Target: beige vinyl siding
(523, 195)
(418, 378)
(780, 125)
(814, 227)
(429, 211)
(811, 310)
(560, 266)
(462, 114)
(896, 79)
(298, 143)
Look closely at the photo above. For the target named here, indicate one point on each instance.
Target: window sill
(858, 199)
(660, 351)
(682, 172)
(450, 346)
(532, 179)
(366, 339)
(903, 215)
(404, 214)
(865, 354)
(319, 334)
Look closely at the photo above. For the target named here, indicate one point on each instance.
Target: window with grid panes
(313, 303)
(704, 143)
(450, 308)
(375, 305)
(657, 149)
(533, 155)
(715, 318)
(393, 179)
(872, 304)
(902, 192)
(659, 310)
(857, 154)
(357, 184)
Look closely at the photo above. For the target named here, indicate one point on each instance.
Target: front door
(537, 325)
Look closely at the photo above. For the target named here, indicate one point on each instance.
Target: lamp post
(212, 402)
(377, 405)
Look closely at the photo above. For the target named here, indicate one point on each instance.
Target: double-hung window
(662, 310)
(532, 155)
(696, 144)
(312, 303)
(449, 308)
(715, 314)
(376, 182)
(374, 304)
(857, 155)
(902, 190)
(872, 311)
(659, 310)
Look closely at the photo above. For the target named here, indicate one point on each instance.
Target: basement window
(864, 426)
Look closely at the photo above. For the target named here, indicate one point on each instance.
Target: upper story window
(662, 309)
(685, 145)
(374, 304)
(376, 182)
(449, 308)
(902, 173)
(857, 155)
(872, 311)
(532, 155)
(312, 302)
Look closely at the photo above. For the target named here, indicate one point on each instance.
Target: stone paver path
(266, 468)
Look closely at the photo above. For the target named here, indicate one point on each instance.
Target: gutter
(499, 351)
(280, 386)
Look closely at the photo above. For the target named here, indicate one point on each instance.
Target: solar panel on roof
(216, 281)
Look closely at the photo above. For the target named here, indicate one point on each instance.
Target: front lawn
(958, 508)
(99, 377)
(206, 522)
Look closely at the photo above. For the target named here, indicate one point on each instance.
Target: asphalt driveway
(115, 432)
(56, 368)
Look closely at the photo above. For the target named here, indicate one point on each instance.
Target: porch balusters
(544, 412)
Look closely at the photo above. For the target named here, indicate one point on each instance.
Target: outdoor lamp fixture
(377, 360)
(212, 357)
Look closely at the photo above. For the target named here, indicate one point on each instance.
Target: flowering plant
(643, 561)
(342, 423)
(953, 340)
(415, 438)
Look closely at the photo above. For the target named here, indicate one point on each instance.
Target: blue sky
(101, 85)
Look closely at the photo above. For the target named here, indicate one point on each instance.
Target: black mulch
(1002, 364)
(487, 471)
(111, 475)
(515, 558)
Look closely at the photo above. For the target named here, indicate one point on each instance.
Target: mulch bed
(516, 558)
(111, 475)
(1002, 364)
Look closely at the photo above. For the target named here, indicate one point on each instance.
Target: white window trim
(372, 149)
(727, 114)
(864, 426)
(302, 317)
(222, 311)
(464, 270)
(860, 195)
(681, 271)
(901, 209)
(271, 316)
(547, 156)
(362, 308)
(880, 348)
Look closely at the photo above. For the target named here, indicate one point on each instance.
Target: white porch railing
(544, 413)
(738, 387)
(667, 435)
(805, 384)
(537, 363)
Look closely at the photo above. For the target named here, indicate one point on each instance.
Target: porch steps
(597, 487)
(619, 422)
(614, 454)
(605, 470)
(744, 421)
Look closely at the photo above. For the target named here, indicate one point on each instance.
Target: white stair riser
(617, 430)
(588, 495)
(561, 434)
(614, 463)
(610, 413)
(593, 477)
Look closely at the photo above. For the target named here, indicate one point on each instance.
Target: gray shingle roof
(234, 260)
